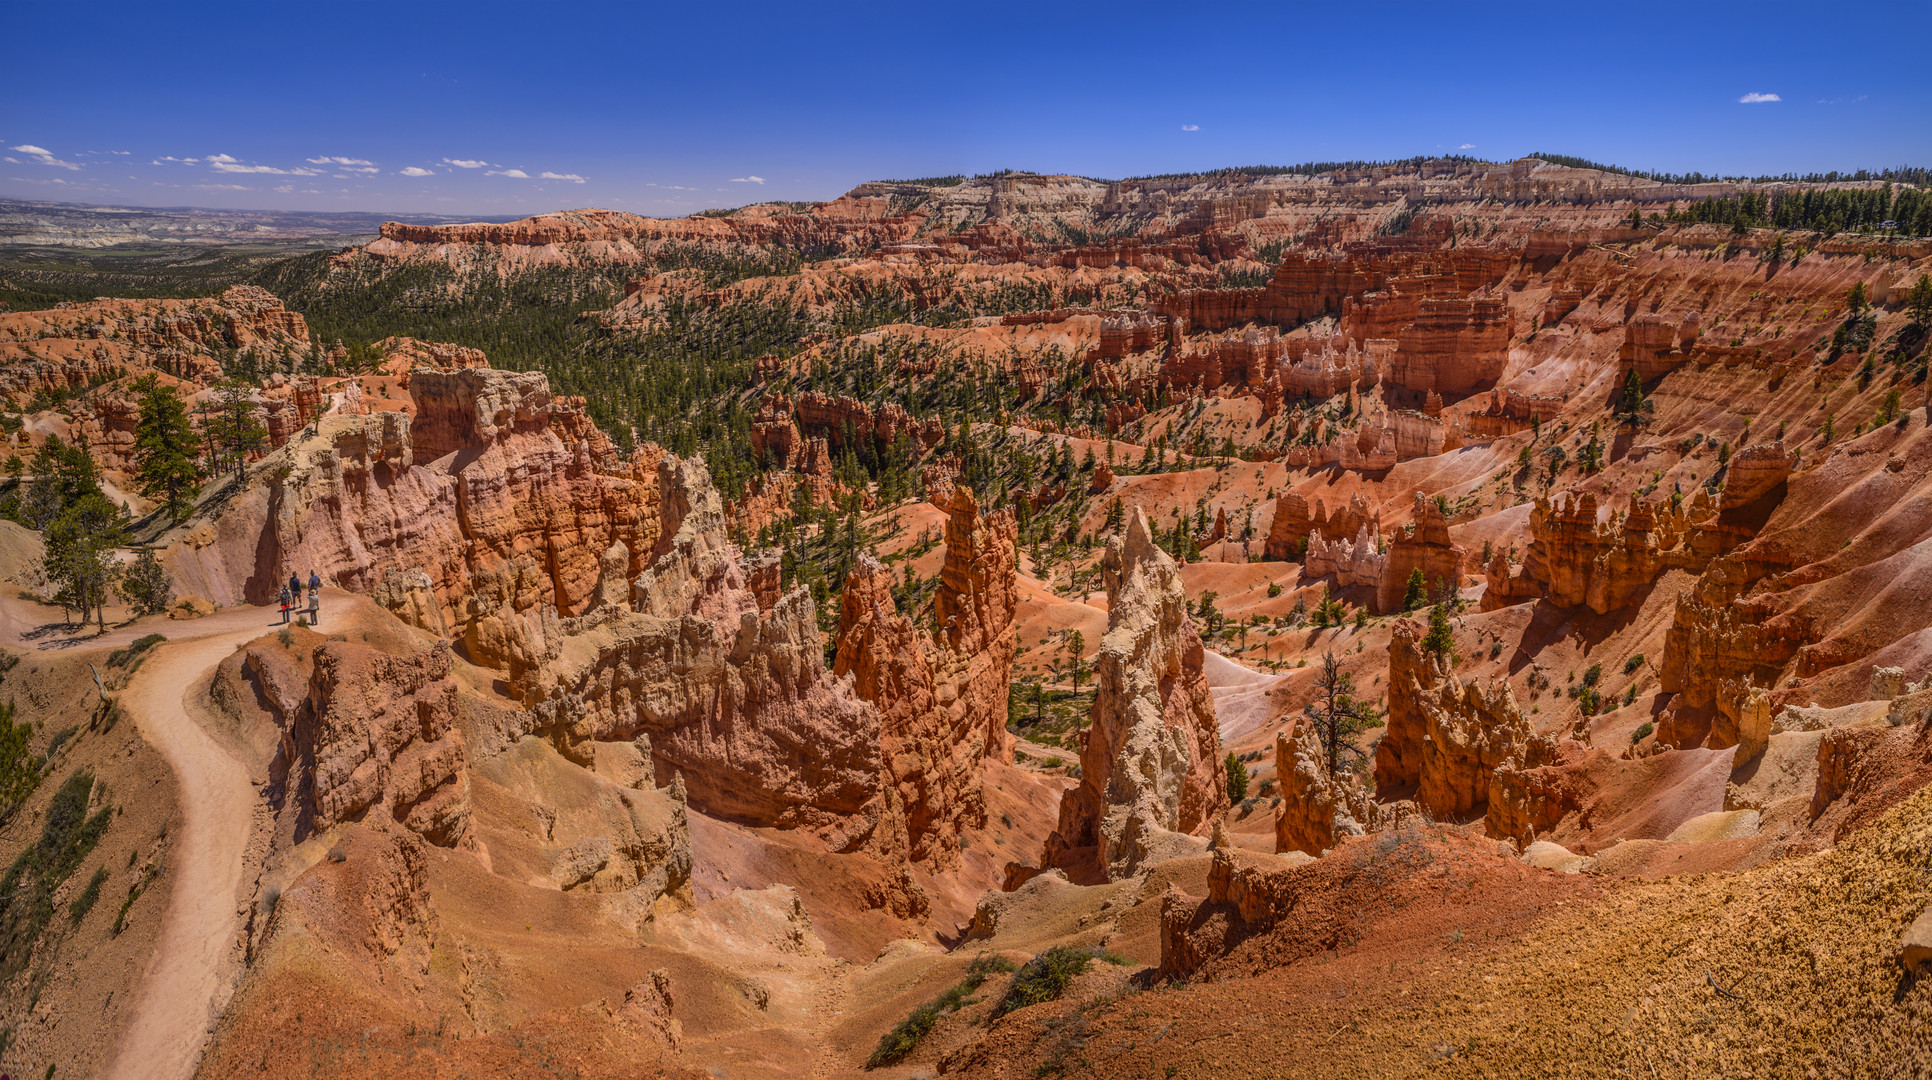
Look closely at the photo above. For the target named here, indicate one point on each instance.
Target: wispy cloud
(514, 174)
(42, 156)
(224, 187)
(1843, 100)
(1467, 146)
(415, 170)
(747, 179)
(223, 163)
(326, 160)
(1190, 127)
(1755, 98)
(466, 164)
(572, 177)
(176, 161)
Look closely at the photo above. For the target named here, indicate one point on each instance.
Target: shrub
(1633, 663)
(84, 903)
(1643, 732)
(1594, 674)
(67, 835)
(1044, 978)
(907, 1034)
(135, 650)
(19, 768)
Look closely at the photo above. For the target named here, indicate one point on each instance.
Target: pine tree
(80, 553)
(232, 426)
(1336, 713)
(1237, 779)
(1440, 641)
(165, 448)
(1416, 591)
(1076, 660)
(147, 585)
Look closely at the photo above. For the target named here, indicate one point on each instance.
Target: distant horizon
(489, 108)
(462, 217)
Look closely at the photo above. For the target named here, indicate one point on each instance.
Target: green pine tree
(1237, 779)
(1416, 592)
(1440, 641)
(166, 449)
(232, 425)
(80, 558)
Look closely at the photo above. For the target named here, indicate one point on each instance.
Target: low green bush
(906, 1035)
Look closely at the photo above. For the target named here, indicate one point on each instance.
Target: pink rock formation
(1424, 546)
(941, 697)
(74, 345)
(1152, 764)
(377, 734)
(1575, 559)
(1318, 810)
(1446, 739)
(480, 490)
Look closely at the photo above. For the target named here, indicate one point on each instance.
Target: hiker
(315, 605)
(294, 586)
(315, 590)
(287, 601)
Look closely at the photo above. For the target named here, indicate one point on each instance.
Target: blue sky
(492, 108)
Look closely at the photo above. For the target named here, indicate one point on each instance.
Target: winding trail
(194, 960)
(197, 957)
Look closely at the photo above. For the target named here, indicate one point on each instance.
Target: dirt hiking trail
(198, 957)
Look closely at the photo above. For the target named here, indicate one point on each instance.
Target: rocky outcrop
(1574, 559)
(1319, 809)
(1743, 720)
(1446, 739)
(1526, 800)
(377, 734)
(941, 696)
(72, 346)
(503, 495)
(1755, 472)
(1294, 522)
(1152, 764)
(1715, 638)
(1425, 546)
(1453, 346)
(737, 699)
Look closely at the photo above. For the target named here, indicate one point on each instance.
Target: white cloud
(339, 161)
(572, 177)
(463, 164)
(514, 174)
(1755, 98)
(175, 161)
(414, 170)
(1843, 100)
(223, 187)
(44, 157)
(1467, 146)
(747, 179)
(223, 163)
(1190, 127)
